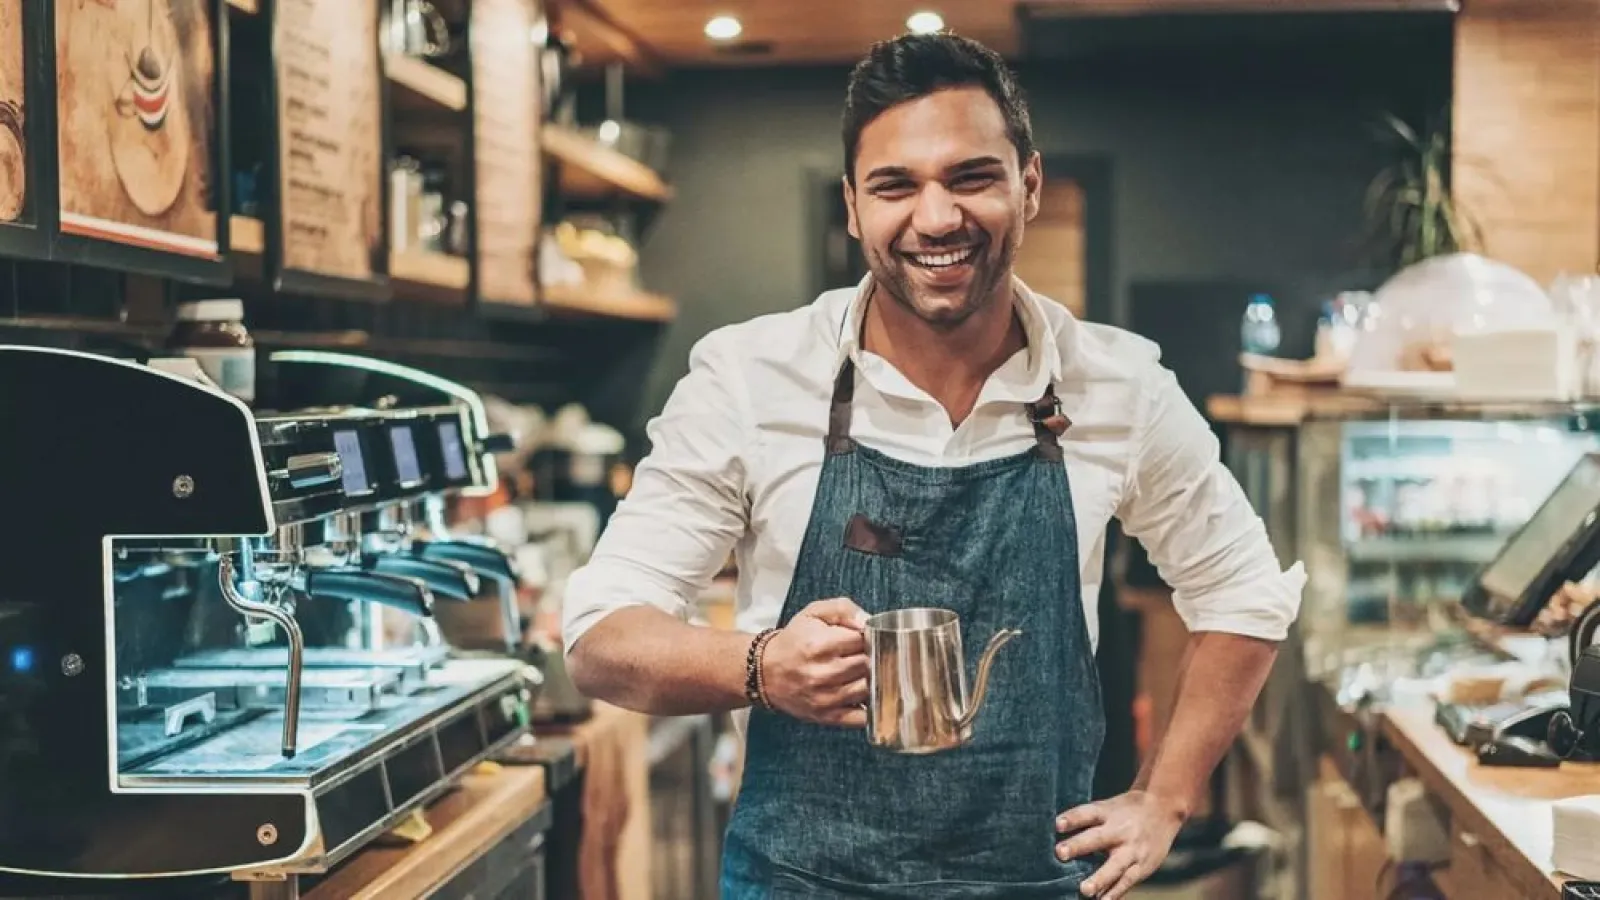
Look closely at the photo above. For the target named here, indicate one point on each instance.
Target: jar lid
(222, 310)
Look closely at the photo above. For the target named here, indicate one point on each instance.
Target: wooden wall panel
(1527, 130)
(1052, 258)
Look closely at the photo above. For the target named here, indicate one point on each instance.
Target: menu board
(507, 106)
(13, 107)
(136, 120)
(330, 137)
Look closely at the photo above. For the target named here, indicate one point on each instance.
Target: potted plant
(1411, 213)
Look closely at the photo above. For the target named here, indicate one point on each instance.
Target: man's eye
(892, 189)
(976, 181)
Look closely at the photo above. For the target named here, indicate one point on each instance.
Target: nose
(937, 213)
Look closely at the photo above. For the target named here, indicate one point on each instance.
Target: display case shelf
(1425, 548)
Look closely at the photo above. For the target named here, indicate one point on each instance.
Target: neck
(951, 365)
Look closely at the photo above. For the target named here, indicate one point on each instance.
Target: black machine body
(170, 709)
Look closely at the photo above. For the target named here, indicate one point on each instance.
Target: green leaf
(1411, 213)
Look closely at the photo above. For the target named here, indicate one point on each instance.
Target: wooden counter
(488, 806)
(1284, 410)
(1500, 826)
(609, 804)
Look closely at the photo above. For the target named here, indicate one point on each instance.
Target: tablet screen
(1563, 514)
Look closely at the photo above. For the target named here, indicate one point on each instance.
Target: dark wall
(1240, 152)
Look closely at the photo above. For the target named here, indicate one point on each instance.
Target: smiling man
(937, 436)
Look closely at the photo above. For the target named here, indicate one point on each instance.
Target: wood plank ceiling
(652, 33)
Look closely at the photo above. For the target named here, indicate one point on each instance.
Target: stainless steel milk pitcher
(917, 699)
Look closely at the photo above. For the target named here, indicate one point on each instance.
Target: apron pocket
(866, 536)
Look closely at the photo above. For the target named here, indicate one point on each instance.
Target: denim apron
(821, 813)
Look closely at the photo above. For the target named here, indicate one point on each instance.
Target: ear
(1032, 186)
(850, 208)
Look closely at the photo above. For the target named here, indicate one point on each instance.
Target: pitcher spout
(981, 686)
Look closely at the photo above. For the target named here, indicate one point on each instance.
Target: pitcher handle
(1000, 639)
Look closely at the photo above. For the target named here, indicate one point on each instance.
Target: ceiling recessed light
(925, 22)
(723, 28)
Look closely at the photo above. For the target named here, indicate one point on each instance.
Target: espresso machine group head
(217, 644)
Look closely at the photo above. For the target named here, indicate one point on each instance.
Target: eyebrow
(966, 165)
(980, 162)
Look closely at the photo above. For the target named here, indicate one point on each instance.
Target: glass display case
(1392, 508)
(1398, 509)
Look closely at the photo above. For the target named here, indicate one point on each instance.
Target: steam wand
(256, 608)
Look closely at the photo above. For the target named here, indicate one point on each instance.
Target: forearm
(645, 660)
(1220, 676)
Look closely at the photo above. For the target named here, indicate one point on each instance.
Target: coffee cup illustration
(13, 156)
(150, 132)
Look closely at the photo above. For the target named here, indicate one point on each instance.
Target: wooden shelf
(601, 39)
(247, 235)
(424, 275)
(421, 86)
(642, 306)
(591, 170)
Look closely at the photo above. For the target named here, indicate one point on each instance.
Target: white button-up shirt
(737, 451)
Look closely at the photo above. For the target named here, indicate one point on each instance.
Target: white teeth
(937, 260)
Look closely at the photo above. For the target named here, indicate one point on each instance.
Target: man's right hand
(815, 667)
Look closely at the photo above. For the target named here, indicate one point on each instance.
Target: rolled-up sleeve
(1198, 527)
(672, 533)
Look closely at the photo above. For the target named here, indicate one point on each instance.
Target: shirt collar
(1043, 353)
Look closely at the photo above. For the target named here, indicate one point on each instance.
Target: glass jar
(212, 333)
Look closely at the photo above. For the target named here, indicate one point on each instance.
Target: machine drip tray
(363, 775)
(142, 734)
(329, 744)
(347, 690)
(411, 665)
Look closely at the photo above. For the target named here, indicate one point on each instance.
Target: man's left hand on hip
(1136, 829)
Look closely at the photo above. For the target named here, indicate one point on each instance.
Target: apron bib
(820, 813)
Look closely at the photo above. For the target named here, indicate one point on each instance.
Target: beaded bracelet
(755, 688)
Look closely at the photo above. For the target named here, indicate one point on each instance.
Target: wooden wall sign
(330, 156)
(13, 115)
(138, 128)
(507, 102)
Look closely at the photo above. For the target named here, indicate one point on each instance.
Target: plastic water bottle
(1259, 331)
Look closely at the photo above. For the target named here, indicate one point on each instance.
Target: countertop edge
(480, 812)
(1400, 728)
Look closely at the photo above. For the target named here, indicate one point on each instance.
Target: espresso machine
(218, 650)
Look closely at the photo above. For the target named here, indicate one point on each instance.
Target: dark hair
(915, 65)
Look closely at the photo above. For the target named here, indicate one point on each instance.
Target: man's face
(940, 202)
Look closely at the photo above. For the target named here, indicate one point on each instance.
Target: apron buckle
(1046, 411)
